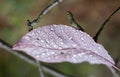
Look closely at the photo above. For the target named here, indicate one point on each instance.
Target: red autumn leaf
(61, 43)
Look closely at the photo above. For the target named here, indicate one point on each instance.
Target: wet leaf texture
(62, 43)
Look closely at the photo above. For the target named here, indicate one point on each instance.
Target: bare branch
(104, 24)
(30, 24)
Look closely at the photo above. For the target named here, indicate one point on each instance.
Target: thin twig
(8, 48)
(73, 22)
(104, 24)
(30, 24)
(40, 69)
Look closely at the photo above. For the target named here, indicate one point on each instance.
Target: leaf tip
(16, 46)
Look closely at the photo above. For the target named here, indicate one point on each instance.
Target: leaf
(61, 43)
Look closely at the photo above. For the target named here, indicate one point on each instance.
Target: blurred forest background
(88, 13)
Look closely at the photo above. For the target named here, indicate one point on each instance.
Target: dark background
(89, 13)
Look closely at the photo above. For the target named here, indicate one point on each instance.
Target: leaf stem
(118, 69)
(30, 24)
(104, 24)
(73, 22)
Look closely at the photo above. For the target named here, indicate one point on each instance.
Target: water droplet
(91, 55)
(51, 29)
(82, 38)
(99, 47)
(37, 56)
(70, 38)
(59, 47)
(43, 54)
(61, 43)
(85, 47)
(74, 45)
(74, 55)
(41, 41)
(80, 54)
(52, 53)
(55, 46)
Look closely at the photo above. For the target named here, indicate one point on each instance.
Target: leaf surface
(61, 43)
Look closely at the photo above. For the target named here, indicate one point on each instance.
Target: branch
(40, 69)
(104, 24)
(30, 24)
(73, 22)
(46, 68)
